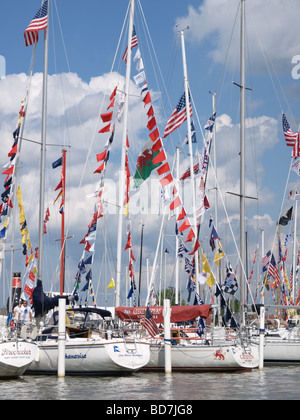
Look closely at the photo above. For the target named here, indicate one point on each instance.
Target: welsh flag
(145, 164)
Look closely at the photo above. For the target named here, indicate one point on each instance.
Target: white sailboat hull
(193, 358)
(16, 357)
(282, 351)
(92, 357)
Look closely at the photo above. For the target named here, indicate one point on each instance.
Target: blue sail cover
(43, 303)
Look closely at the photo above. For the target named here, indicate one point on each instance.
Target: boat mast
(187, 102)
(242, 165)
(122, 171)
(63, 239)
(43, 150)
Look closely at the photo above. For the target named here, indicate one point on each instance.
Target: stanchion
(167, 336)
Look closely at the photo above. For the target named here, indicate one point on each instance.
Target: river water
(273, 383)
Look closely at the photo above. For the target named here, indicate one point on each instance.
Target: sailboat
(282, 343)
(188, 353)
(78, 349)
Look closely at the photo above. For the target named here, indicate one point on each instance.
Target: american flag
(265, 260)
(273, 271)
(291, 139)
(178, 116)
(134, 43)
(38, 23)
(150, 324)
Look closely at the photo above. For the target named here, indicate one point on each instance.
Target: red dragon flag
(145, 164)
(38, 23)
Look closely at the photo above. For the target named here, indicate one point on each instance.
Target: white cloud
(271, 27)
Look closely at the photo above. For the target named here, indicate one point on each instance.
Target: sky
(84, 68)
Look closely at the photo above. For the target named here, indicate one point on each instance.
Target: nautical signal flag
(57, 163)
(111, 284)
(38, 23)
(284, 220)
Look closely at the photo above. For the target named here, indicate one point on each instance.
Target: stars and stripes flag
(265, 260)
(179, 115)
(273, 271)
(291, 139)
(134, 43)
(150, 324)
(38, 23)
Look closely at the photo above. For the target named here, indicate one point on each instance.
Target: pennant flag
(178, 116)
(166, 180)
(150, 324)
(105, 129)
(114, 92)
(230, 286)
(101, 156)
(176, 203)
(188, 266)
(219, 254)
(185, 225)
(147, 99)
(181, 249)
(8, 171)
(291, 139)
(160, 157)
(128, 244)
(57, 163)
(163, 169)
(88, 260)
(107, 117)
(100, 169)
(213, 237)
(206, 269)
(196, 247)
(139, 78)
(210, 123)
(193, 132)
(145, 164)
(190, 236)
(111, 284)
(181, 215)
(286, 218)
(150, 112)
(151, 124)
(154, 135)
(39, 22)
(157, 146)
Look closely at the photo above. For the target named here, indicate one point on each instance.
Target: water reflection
(273, 383)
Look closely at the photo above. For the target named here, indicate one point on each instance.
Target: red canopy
(178, 313)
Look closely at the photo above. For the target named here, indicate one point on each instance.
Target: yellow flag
(206, 269)
(111, 284)
(219, 254)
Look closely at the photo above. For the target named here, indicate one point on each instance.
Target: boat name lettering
(6, 352)
(247, 356)
(75, 356)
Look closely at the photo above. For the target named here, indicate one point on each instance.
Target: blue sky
(91, 32)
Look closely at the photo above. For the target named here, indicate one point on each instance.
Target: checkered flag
(230, 286)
